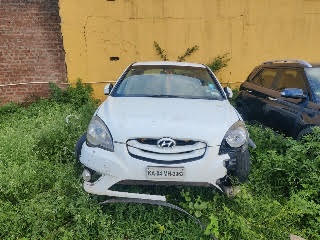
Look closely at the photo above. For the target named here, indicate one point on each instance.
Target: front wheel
(79, 144)
(243, 166)
(238, 166)
(304, 132)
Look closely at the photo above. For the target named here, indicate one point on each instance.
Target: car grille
(146, 149)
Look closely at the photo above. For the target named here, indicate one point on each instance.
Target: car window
(168, 81)
(290, 78)
(265, 78)
(313, 75)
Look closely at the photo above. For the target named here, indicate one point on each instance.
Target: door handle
(272, 99)
(249, 91)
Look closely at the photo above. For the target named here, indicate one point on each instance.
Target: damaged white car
(164, 123)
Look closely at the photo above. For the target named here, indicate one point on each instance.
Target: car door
(255, 91)
(285, 114)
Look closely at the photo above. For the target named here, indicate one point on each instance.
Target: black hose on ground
(155, 202)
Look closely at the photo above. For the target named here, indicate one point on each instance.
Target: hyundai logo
(166, 143)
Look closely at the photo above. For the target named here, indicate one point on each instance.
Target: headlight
(98, 135)
(237, 135)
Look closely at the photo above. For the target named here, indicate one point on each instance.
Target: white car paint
(169, 63)
(197, 119)
(205, 121)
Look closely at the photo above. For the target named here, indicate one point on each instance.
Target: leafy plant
(281, 197)
(9, 108)
(161, 52)
(41, 195)
(219, 62)
(188, 53)
(78, 95)
(213, 226)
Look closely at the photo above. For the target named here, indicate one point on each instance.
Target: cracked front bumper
(119, 166)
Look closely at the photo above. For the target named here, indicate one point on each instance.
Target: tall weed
(41, 196)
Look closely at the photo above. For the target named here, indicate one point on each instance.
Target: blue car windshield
(168, 82)
(313, 75)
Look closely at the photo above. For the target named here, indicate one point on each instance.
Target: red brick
(31, 48)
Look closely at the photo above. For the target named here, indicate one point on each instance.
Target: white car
(164, 122)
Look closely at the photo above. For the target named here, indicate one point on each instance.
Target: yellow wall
(251, 31)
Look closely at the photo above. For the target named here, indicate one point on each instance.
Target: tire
(79, 144)
(304, 132)
(243, 166)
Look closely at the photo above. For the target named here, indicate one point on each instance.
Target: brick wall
(31, 48)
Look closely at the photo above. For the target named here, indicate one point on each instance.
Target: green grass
(41, 195)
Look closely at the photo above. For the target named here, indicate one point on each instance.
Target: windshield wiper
(163, 96)
(174, 96)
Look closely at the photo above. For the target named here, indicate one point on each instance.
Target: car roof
(316, 64)
(290, 63)
(169, 63)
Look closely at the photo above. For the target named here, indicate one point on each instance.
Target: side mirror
(228, 92)
(108, 88)
(295, 93)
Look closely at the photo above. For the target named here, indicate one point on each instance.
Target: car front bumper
(118, 166)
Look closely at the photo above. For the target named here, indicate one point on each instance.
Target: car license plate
(166, 173)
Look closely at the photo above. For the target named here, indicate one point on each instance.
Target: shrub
(78, 95)
(219, 62)
(283, 166)
(9, 108)
(162, 53)
(187, 53)
(281, 197)
(41, 196)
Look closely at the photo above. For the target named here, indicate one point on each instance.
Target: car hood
(178, 118)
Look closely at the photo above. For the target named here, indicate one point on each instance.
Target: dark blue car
(284, 95)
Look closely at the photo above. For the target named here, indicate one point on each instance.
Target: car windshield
(313, 75)
(168, 82)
